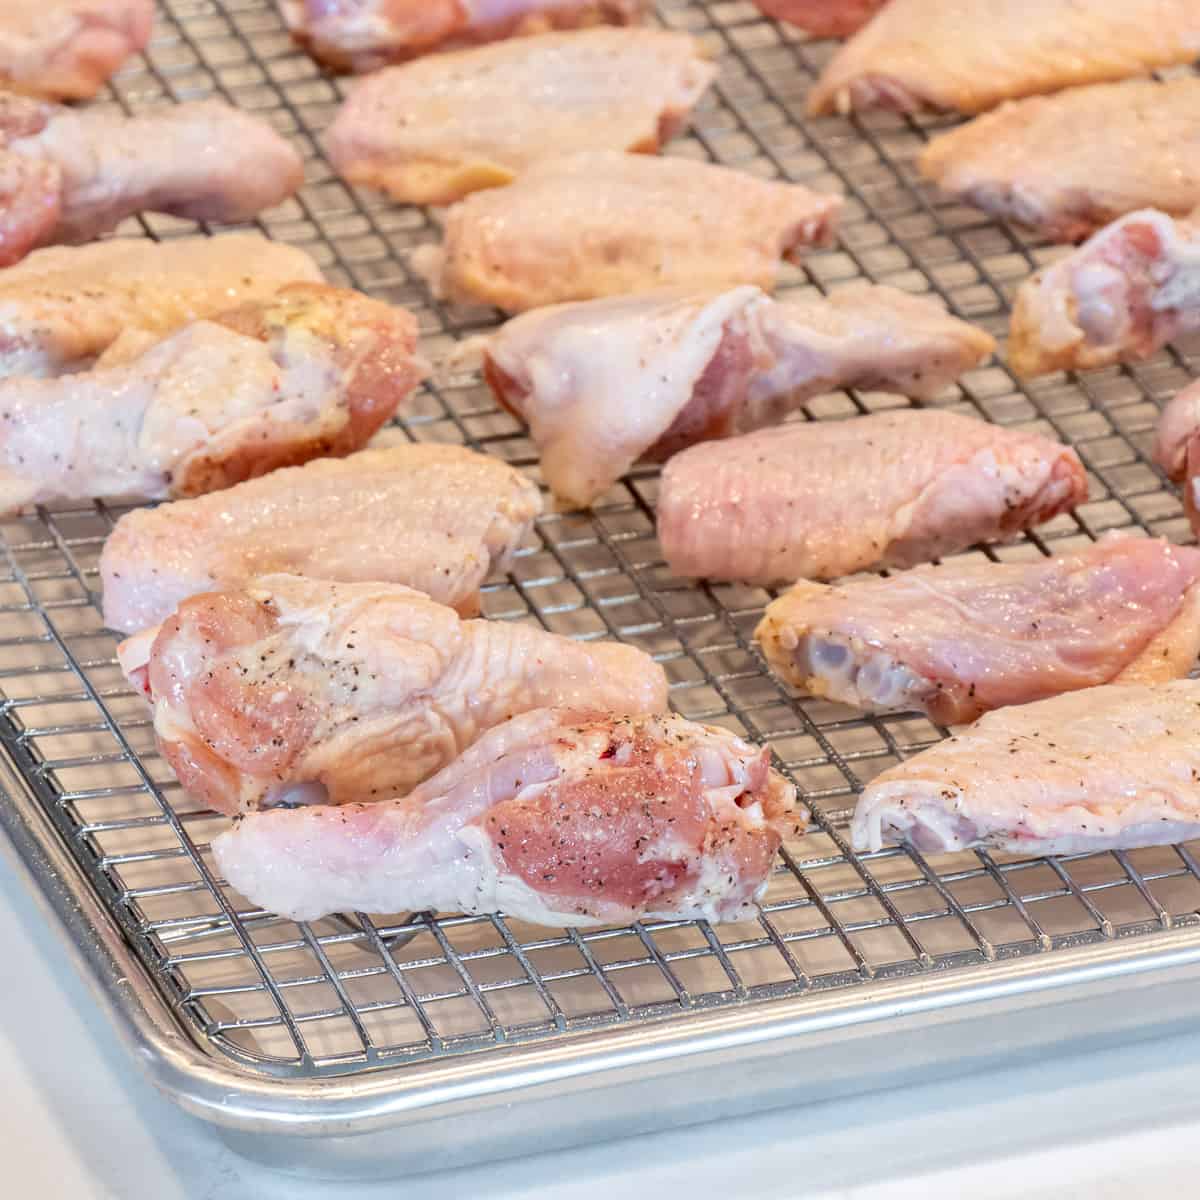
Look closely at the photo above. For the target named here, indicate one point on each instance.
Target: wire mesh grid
(355, 993)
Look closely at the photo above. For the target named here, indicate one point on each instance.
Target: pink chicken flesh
(436, 518)
(823, 18)
(1124, 294)
(1068, 164)
(816, 500)
(315, 371)
(295, 688)
(436, 130)
(363, 35)
(203, 161)
(957, 640)
(62, 308)
(1106, 768)
(1177, 447)
(557, 817)
(682, 367)
(969, 55)
(601, 223)
(68, 49)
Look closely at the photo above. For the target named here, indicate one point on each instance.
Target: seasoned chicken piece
(436, 518)
(1102, 769)
(816, 500)
(823, 18)
(968, 55)
(204, 161)
(1177, 447)
(68, 49)
(433, 131)
(1178, 428)
(363, 35)
(315, 371)
(30, 201)
(681, 367)
(1068, 164)
(1124, 294)
(957, 640)
(557, 817)
(603, 224)
(62, 308)
(295, 688)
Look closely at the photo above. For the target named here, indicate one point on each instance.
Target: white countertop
(78, 1121)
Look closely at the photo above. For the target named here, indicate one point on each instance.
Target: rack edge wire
(896, 232)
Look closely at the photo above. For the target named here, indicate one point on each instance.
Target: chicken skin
(294, 688)
(1123, 295)
(1068, 164)
(1178, 429)
(204, 161)
(68, 49)
(436, 130)
(909, 486)
(969, 55)
(62, 308)
(557, 817)
(314, 371)
(680, 367)
(364, 35)
(436, 518)
(957, 640)
(604, 224)
(1106, 768)
(1177, 447)
(823, 18)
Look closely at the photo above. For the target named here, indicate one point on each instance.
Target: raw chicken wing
(557, 817)
(604, 224)
(314, 371)
(1124, 294)
(436, 518)
(62, 308)
(681, 367)
(969, 55)
(957, 640)
(823, 18)
(816, 500)
(203, 161)
(68, 49)
(433, 131)
(1177, 447)
(363, 35)
(295, 688)
(30, 200)
(1178, 429)
(1103, 769)
(1068, 164)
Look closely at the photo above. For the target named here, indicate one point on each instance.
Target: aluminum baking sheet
(362, 1009)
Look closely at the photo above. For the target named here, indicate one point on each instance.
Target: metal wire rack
(356, 994)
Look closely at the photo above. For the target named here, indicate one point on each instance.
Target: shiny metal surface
(381, 1046)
